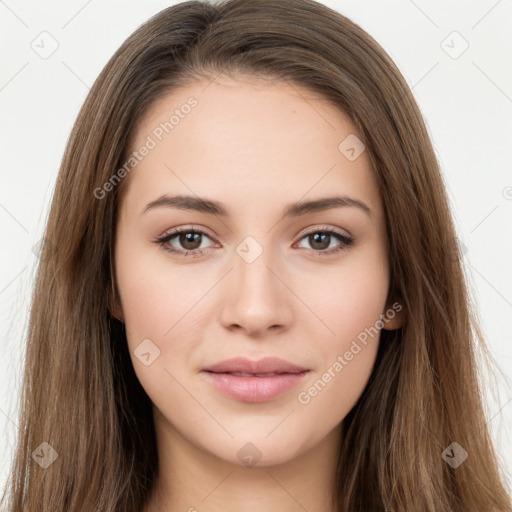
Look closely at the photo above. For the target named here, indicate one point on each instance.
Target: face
(248, 276)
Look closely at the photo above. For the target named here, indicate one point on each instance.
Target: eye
(191, 240)
(320, 240)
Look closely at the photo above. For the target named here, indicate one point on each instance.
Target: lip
(245, 365)
(253, 388)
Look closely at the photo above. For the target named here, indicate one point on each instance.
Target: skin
(254, 146)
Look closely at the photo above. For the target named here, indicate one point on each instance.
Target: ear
(114, 303)
(394, 315)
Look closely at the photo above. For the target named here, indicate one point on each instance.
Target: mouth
(254, 387)
(242, 374)
(247, 367)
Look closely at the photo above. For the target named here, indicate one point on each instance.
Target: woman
(256, 370)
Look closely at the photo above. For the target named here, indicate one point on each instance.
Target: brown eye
(189, 239)
(321, 240)
(188, 242)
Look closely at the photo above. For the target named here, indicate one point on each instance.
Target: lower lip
(255, 389)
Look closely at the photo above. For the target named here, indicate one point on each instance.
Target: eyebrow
(295, 209)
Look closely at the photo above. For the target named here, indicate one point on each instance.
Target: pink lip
(245, 365)
(253, 388)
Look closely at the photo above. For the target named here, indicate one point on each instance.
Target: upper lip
(245, 365)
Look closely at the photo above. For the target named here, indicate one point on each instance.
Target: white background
(466, 102)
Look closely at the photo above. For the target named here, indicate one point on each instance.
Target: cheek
(350, 304)
(347, 358)
(331, 394)
(155, 303)
(160, 317)
(155, 298)
(350, 297)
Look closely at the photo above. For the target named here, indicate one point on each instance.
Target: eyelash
(164, 242)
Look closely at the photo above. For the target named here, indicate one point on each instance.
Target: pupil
(324, 243)
(189, 238)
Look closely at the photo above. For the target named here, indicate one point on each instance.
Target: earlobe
(394, 317)
(117, 313)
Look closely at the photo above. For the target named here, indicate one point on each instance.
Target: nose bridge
(256, 296)
(253, 262)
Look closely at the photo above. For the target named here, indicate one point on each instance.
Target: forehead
(249, 139)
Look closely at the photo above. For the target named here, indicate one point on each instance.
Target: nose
(256, 298)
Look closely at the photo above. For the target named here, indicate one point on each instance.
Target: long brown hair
(80, 393)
